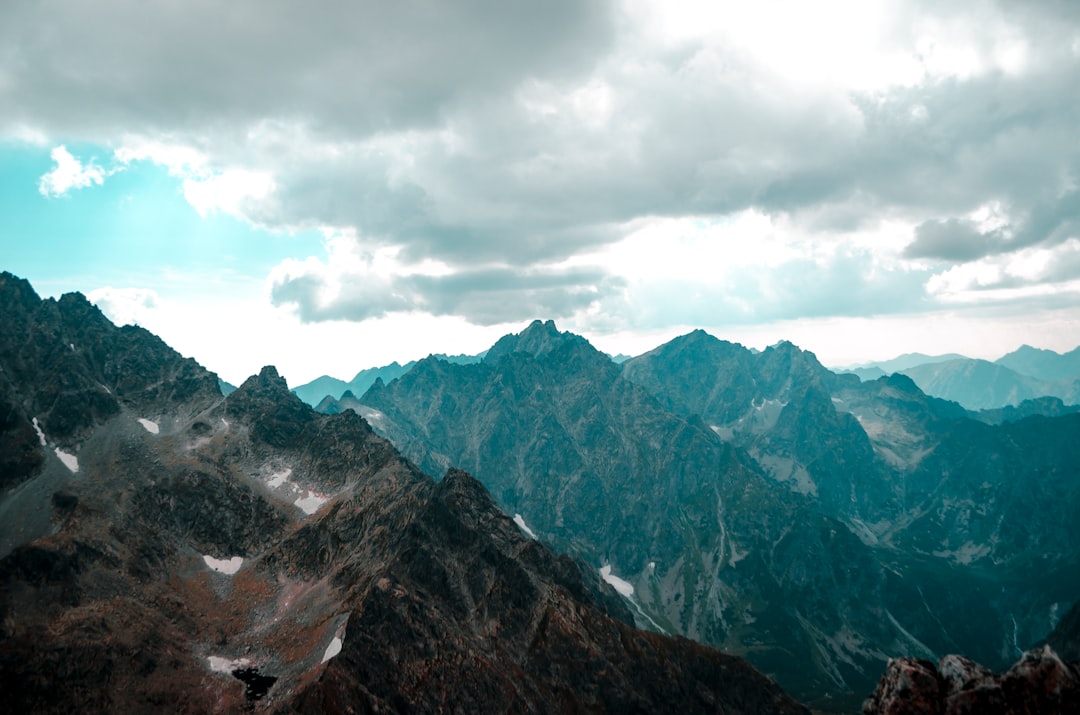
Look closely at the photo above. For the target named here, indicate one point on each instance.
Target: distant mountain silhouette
(1045, 365)
(315, 391)
(1026, 374)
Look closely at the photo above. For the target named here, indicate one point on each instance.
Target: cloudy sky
(333, 186)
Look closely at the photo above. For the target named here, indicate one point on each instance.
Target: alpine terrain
(813, 523)
(165, 548)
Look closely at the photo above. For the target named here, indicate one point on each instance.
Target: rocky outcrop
(1040, 682)
(186, 552)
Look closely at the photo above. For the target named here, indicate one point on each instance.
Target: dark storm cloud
(345, 67)
(955, 240)
(946, 149)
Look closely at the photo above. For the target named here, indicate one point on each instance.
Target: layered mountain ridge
(1025, 375)
(761, 503)
(165, 547)
(314, 392)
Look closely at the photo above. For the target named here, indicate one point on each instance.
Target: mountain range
(758, 502)
(1025, 374)
(313, 392)
(167, 548)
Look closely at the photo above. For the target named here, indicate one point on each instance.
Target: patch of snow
(966, 554)
(311, 503)
(40, 434)
(520, 521)
(837, 401)
(652, 567)
(333, 649)
(725, 433)
(623, 587)
(151, 426)
(72, 346)
(227, 666)
(104, 387)
(225, 566)
(279, 478)
(864, 532)
(70, 460)
(736, 555)
(225, 422)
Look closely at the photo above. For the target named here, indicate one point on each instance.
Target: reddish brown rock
(1040, 682)
(910, 686)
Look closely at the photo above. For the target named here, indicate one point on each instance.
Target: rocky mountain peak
(277, 415)
(902, 383)
(538, 339)
(266, 384)
(699, 340)
(16, 291)
(82, 369)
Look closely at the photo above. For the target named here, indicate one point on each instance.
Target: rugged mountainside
(940, 497)
(761, 503)
(898, 466)
(167, 548)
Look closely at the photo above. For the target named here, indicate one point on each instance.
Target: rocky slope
(700, 540)
(761, 503)
(1039, 682)
(940, 497)
(167, 548)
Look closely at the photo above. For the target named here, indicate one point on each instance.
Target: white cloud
(69, 173)
(641, 164)
(232, 191)
(1036, 271)
(125, 306)
(180, 159)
